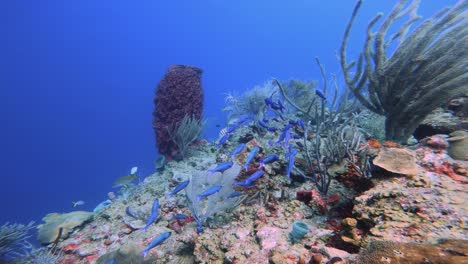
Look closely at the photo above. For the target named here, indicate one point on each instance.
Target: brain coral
(179, 93)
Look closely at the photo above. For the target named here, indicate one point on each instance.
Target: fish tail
(144, 253)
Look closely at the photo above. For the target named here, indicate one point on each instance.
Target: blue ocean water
(77, 80)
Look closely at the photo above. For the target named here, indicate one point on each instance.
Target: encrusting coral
(54, 222)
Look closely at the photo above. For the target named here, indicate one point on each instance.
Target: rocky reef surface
(418, 210)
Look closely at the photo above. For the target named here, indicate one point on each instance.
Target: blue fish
(156, 241)
(300, 123)
(296, 136)
(268, 159)
(320, 94)
(178, 188)
(283, 134)
(237, 150)
(244, 183)
(232, 195)
(274, 105)
(209, 192)
(221, 167)
(237, 123)
(178, 216)
(223, 140)
(250, 180)
(252, 154)
(262, 124)
(154, 214)
(300, 144)
(292, 153)
(271, 129)
(287, 138)
(255, 175)
(130, 212)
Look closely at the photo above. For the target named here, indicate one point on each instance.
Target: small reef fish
(209, 192)
(249, 159)
(178, 188)
(268, 159)
(283, 134)
(262, 124)
(222, 140)
(154, 214)
(237, 150)
(244, 183)
(178, 217)
(271, 129)
(133, 170)
(298, 122)
(156, 241)
(124, 180)
(231, 128)
(320, 94)
(223, 132)
(292, 153)
(287, 138)
(221, 167)
(299, 144)
(250, 180)
(78, 203)
(274, 105)
(130, 212)
(232, 195)
(296, 136)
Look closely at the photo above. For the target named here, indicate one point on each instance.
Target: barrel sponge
(178, 94)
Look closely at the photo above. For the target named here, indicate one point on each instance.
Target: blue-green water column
(299, 230)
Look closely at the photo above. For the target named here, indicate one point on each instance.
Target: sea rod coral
(427, 68)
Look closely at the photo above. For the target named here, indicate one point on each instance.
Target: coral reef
(275, 189)
(423, 208)
(178, 94)
(444, 252)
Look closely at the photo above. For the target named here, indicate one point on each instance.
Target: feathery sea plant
(302, 94)
(43, 256)
(14, 240)
(251, 102)
(186, 132)
(427, 68)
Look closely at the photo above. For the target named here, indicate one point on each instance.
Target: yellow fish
(124, 180)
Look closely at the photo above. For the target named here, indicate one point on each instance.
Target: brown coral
(400, 161)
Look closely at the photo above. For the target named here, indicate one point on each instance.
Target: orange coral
(374, 143)
(447, 169)
(391, 144)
